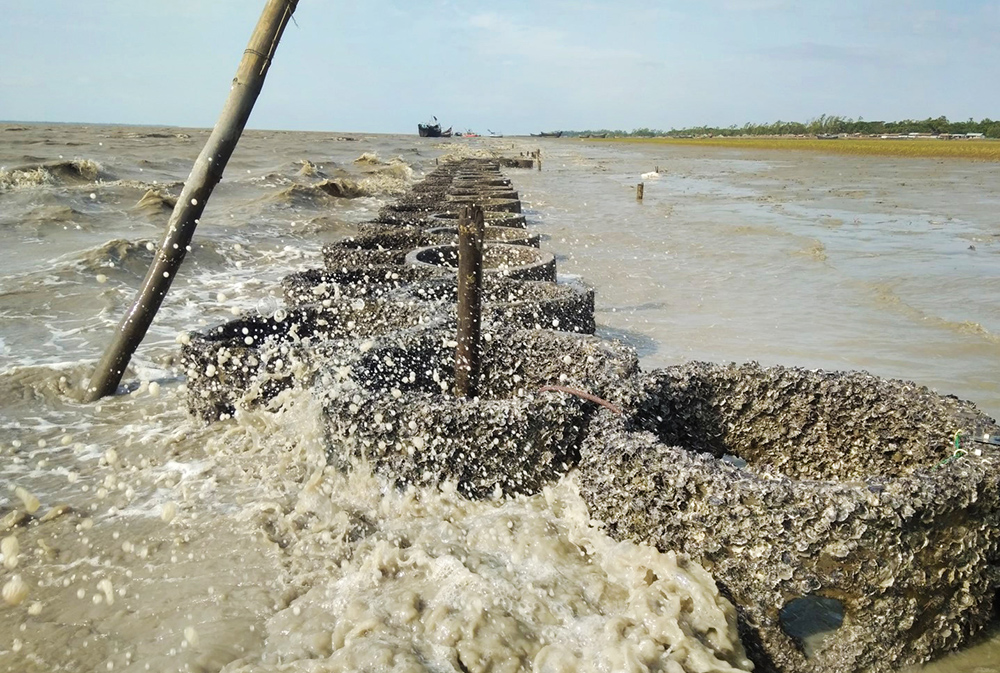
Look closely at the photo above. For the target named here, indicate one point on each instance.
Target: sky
(514, 67)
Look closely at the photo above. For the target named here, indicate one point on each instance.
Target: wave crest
(391, 178)
(75, 171)
(131, 256)
(369, 158)
(155, 202)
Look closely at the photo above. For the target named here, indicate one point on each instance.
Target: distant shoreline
(973, 150)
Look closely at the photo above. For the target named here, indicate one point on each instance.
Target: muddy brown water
(231, 546)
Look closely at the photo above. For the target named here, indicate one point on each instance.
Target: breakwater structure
(852, 520)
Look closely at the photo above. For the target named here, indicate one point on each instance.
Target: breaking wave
(72, 172)
(155, 202)
(391, 178)
(309, 169)
(299, 194)
(134, 257)
(369, 158)
(391, 182)
(24, 385)
(430, 580)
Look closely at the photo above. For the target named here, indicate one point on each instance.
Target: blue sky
(513, 67)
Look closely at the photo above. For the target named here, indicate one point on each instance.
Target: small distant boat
(429, 130)
(549, 134)
(826, 136)
(468, 134)
(595, 135)
(432, 130)
(493, 134)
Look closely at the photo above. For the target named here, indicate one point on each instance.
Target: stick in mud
(206, 173)
(638, 191)
(471, 231)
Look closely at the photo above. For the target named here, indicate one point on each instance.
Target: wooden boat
(550, 134)
(433, 130)
(429, 130)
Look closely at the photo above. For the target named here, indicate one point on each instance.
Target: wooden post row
(471, 232)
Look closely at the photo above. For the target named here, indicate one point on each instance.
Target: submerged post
(638, 191)
(206, 173)
(471, 231)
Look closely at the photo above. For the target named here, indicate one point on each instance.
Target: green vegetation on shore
(822, 125)
(976, 150)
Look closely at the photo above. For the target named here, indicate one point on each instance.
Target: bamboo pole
(471, 231)
(639, 188)
(206, 173)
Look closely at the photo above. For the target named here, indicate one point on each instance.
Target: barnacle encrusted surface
(849, 492)
(511, 261)
(483, 191)
(487, 203)
(495, 218)
(317, 285)
(394, 407)
(508, 235)
(567, 307)
(388, 247)
(251, 359)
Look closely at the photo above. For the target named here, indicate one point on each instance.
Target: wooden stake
(206, 173)
(471, 230)
(638, 191)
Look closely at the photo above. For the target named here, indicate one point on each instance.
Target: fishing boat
(550, 134)
(431, 130)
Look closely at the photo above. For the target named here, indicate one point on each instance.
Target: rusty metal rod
(582, 394)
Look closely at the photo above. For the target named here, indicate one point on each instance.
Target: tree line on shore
(822, 125)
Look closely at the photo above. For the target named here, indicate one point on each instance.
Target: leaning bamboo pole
(206, 173)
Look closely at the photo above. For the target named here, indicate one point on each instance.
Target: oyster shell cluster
(369, 289)
(788, 484)
(793, 487)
